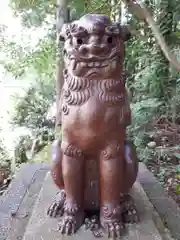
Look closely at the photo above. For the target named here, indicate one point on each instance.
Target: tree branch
(141, 11)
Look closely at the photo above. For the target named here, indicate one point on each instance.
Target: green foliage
(43, 156)
(41, 58)
(143, 113)
(95, 6)
(5, 158)
(36, 13)
(79, 8)
(33, 12)
(178, 167)
(22, 145)
(178, 189)
(31, 109)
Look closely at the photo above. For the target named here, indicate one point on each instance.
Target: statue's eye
(79, 41)
(64, 52)
(109, 40)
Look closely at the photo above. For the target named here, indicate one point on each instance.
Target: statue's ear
(64, 33)
(124, 32)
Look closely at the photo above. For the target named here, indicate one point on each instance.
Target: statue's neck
(115, 78)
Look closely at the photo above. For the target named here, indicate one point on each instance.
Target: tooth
(90, 64)
(106, 62)
(97, 64)
(114, 64)
(84, 64)
(106, 69)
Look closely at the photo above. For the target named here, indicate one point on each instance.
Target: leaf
(178, 188)
(178, 168)
(177, 155)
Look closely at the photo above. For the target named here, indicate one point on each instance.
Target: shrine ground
(23, 209)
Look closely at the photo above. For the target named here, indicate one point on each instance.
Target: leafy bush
(143, 114)
(5, 159)
(31, 109)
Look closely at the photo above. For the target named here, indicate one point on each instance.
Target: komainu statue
(94, 166)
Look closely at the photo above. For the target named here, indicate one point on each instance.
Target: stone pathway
(23, 210)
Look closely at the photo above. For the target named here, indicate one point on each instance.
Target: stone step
(17, 204)
(23, 208)
(43, 227)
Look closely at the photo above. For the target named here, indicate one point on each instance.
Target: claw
(57, 207)
(114, 230)
(70, 223)
(67, 226)
(62, 227)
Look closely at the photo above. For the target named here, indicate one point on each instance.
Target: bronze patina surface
(93, 165)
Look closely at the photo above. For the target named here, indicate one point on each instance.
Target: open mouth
(94, 64)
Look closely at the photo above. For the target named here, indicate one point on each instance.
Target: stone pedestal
(23, 209)
(42, 227)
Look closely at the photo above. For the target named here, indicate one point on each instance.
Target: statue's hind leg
(57, 206)
(129, 211)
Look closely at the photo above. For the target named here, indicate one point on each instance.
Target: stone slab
(20, 221)
(11, 200)
(41, 227)
(166, 207)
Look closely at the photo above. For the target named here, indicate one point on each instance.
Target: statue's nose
(94, 49)
(98, 49)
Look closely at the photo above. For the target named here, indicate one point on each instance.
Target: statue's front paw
(114, 229)
(72, 219)
(67, 225)
(111, 221)
(57, 206)
(70, 223)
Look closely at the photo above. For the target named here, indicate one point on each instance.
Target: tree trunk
(164, 19)
(62, 16)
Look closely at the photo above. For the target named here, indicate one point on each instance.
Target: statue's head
(94, 46)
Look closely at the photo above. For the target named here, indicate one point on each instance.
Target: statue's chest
(77, 91)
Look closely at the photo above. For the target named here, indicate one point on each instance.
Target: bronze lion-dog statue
(94, 166)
